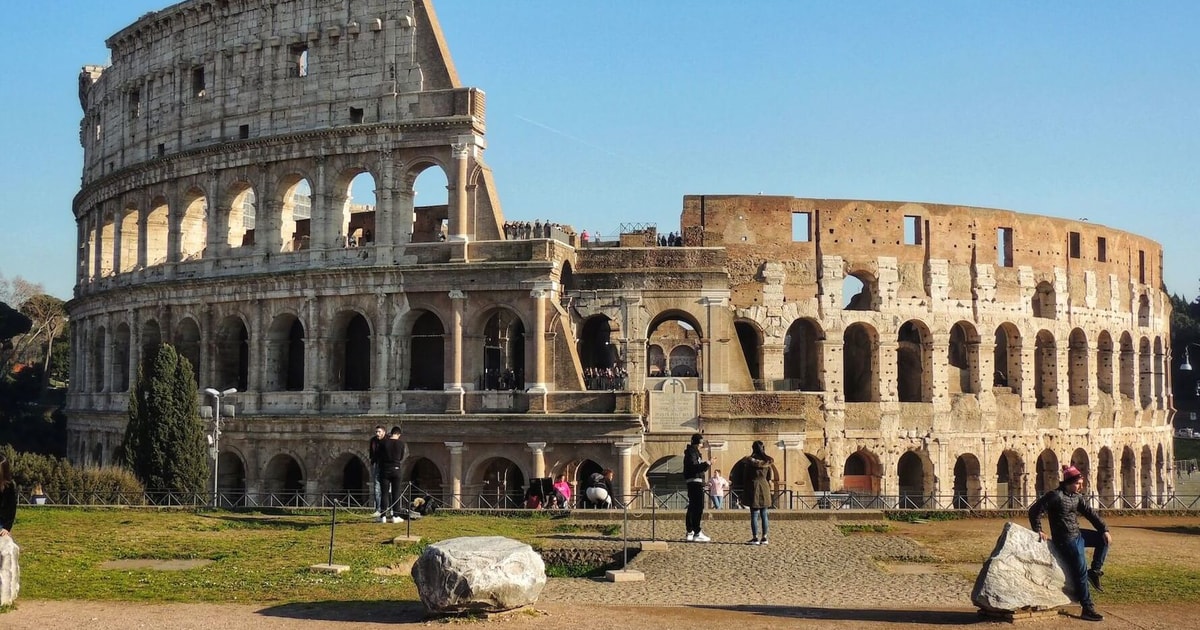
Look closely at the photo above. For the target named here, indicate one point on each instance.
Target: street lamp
(1187, 364)
(215, 438)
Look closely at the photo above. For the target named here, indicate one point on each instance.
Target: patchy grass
(863, 528)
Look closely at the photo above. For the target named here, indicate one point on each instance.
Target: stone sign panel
(674, 409)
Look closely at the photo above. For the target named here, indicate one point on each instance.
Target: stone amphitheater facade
(921, 352)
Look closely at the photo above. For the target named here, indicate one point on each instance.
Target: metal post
(216, 439)
(332, 524)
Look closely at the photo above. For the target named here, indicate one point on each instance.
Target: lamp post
(215, 438)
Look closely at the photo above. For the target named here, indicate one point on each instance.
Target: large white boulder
(478, 574)
(1021, 574)
(10, 570)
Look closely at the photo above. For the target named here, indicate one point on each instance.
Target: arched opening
(968, 486)
(859, 364)
(120, 358)
(1082, 462)
(129, 240)
(352, 352)
(911, 471)
(1106, 478)
(97, 458)
(586, 469)
(151, 337)
(1145, 373)
(567, 280)
(503, 352)
(859, 291)
(680, 337)
(355, 481)
(598, 355)
(427, 355)
(231, 479)
(429, 204)
(1045, 370)
(99, 342)
(665, 477)
(295, 214)
(683, 361)
(1157, 365)
(802, 356)
(1128, 479)
(750, 342)
(1006, 357)
(158, 232)
(818, 474)
(1047, 472)
(656, 361)
(1043, 301)
(187, 344)
(1147, 470)
(1077, 368)
(1104, 363)
(357, 221)
(1127, 367)
(193, 225)
(1160, 481)
(963, 358)
(426, 479)
(1010, 486)
(239, 226)
(285, 351)
(914, 378)
(861, 473)
(232, 354)
(1143, 310)
(107, 243)
(501, 484)
(284, 481)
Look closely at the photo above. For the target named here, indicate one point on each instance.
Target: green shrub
(62, 482)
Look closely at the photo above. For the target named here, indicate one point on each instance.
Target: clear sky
(602, 113)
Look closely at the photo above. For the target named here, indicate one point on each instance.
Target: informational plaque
(673, 408)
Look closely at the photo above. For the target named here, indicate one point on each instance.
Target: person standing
(392, 454)
(694, 467)
(373, 454)
(756, 471)
(8, 498)
(1063, 506)
(718, 487)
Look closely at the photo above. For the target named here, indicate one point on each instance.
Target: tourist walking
(392, 454)
(756, 488)
(373, 455)
(694, 467)
(8, 497)
(1063, 506)
(718, 487)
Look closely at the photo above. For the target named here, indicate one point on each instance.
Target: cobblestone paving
(807, 564)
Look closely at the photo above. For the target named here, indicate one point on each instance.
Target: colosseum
(907, 354)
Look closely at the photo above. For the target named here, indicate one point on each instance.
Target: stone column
(624, 487)
(538, 340)
(538, 449)
(456, 453)
(454, 366)
(795, 464)
(462, 149)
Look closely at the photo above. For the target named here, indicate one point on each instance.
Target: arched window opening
(1010, 487)
(187, 344)
(429, 205)
(1043, 301)
(1106, 478)
(1045, 370)
(802, 347)
(1007, 358)
(1104, 363)
(107, 244)
(859, 364)
(818, 474)
(914, 382)
(680, 338)
(120, 359)
(284, 481)
(861, 473)
(963, 358)
(501, 485)
(599, 356)
(968, 486)
(356, 354)
(285, 355)
(1145, 373)
(1147, 477)
(99, 342)
(911, 472)
(357, 221)
(231, 479)
(232, 355)
(295, 215)
(1144, 310)
(129, 240)
(193, 226)
(656, 362)
(428, 353)
(1128, 498)
(503, 352)
(1078, 368)
(1158, 364)
(426, 480)
(665, 477)
(355, 482)
(1047, 472)
(859, 292)
(751, 345)
(157, 232)
(239, 228)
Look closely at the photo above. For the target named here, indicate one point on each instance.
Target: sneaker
(397, 519)
(1090, 614)
(376, 514)
(690, 537)
(763, 541)
(753, 541)
(1094, 577)
(700, 537)
(382, 519)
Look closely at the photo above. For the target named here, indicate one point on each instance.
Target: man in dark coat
(694, 467)
(391, 454)
(1063, 505)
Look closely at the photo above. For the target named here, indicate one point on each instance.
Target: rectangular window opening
(1142, 266)
(1101, 249)
(243, 132)
(1004, 246)
(299, 60)
(801, 227)
(1073, 244)
(135, 104)
(912, 230)
(198, 85)
(162, 150)
(356, 115)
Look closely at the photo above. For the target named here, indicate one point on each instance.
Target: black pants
(389, 491)
(695, 508)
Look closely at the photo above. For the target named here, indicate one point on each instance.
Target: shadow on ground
(885, 615)
(376, 611)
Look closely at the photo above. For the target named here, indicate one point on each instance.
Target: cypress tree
(164, 441)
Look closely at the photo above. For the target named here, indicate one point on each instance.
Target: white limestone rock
(478, 574)
(10, 570)
(1021, 574)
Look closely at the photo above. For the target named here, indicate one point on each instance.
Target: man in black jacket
(1063, 505)
(373, 448)
(694, 467)
(391, 455)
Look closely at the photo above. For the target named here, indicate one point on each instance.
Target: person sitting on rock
(1063, 505)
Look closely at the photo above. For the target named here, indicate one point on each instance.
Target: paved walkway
(808, 563)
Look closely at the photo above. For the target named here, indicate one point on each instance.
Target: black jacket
(8, 507)
(694, 465)
(391, 453)
(1062, 508)
(373, 448)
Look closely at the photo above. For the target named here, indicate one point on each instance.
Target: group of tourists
(756, 477)
(597, 378)
(387, 452)
(670, 240)
(514, 230)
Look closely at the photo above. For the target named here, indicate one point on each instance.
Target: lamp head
(212, 392)
(1187, 364)
(231, 390)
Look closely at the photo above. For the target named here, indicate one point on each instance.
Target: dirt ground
(1136, 540)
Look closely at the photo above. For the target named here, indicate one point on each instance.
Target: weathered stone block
(1021, 574)
(478, 574)
(10, 570)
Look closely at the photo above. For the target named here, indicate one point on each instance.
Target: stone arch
(351, 351)
(120, 358)
(193, 224)
(1077, 368)
(1010, 477)
(348, 478)
(596, 349)
(1045, 370)
(968, 482)
(963, 359)
(128, 232)
(1006, 357)
(1128, 478)
(803, 347)
(1158, 366)
(1147, 476)
(501, 483)
(1047, 472)
(106, 241)
(1127, 367)
(914, 472)
(680, 336)
(1083, 462)
(1104, 362)
(566, 278)
(285, 354)
(860, 363)
(860, 291)
(283, 478)
(426, 478)
(656, 361)
(1106, 478)
(240, 204)
(427, 352)
(818, 473)
(582, 471)
(99, 342)
(232, 360)
(1044, 301)
(1143, 310)
(1160, 480)
(914, 362)
(151, 337)
(356, 217)
(231, 478)
(503, 350)
(187, 343)
(425, 197)
(862, 473)
(1145, 373)
(750, 342)
(294, 218)
(665, 475)
(157, 231)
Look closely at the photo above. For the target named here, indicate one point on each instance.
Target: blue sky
(602, 113)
